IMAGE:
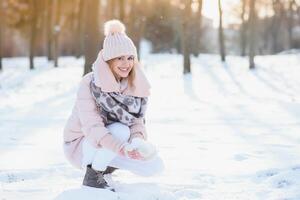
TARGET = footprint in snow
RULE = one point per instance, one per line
(283, 183)
(296, 168)
(267, 173)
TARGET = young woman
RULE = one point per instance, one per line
(106, 130)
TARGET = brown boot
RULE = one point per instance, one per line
(94, 178)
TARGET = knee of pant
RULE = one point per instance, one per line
(155, 169)
(120, 131)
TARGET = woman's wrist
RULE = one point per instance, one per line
(136, 135)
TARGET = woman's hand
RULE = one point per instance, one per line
(138, 149)
(132, 154)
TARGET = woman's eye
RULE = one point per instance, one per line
(130, 58)
(120, 58)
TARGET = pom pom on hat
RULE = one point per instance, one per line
(116, 43)
(113, 26)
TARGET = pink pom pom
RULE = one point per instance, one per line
(113, 26)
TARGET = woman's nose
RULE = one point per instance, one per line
(126, 63)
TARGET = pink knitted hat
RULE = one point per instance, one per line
(116, 43)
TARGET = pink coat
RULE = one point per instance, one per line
(85, 121)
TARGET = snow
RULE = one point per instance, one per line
(223, 131)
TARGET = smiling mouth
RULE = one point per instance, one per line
(124, 69)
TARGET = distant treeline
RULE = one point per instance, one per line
(56, 28)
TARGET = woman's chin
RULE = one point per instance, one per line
(123, 75)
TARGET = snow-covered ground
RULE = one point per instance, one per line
(224, 132)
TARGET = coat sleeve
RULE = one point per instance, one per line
(92, 124)
(138, 129)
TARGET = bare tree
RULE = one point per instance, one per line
(243, 29)
(298, 11)
(290, 24)
(56, 32)
(279, 13)
(81, 27)
(77, 25)
(1, 32)
(122, 10)
(49, 25)
(185, 37)
(33, 33)
(221, 33)
(111, 10)
(252, 21)
(91, 38)
(197, 35)
(74, 24)
(265, 29)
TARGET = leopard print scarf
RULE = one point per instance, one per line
(117, 107)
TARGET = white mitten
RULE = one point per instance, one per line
(146, 149)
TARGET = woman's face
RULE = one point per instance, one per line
(121, 66)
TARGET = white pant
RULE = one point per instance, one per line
(100, 158)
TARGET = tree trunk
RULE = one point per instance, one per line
(221, 33)
(91, 38)
(1, 33)
(122, 10)
(32, 33)
(243, 29)
(74, 24)
(186, 56)
(111, 11)
(298, 12)
(49, 29)
(290, 23)
(43, 25)
(252, 19)
(185, 37)
(198, 37)
(56, 32)
(80, 30)
(279, 13)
